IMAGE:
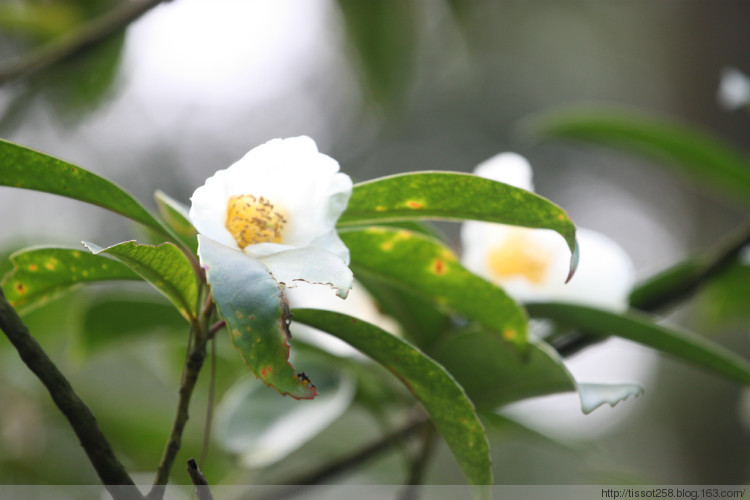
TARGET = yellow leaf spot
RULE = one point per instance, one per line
(387, 246)
(414, 204)
(33, 267)
(77, 254)
(509, 334)
(380, 208)
(51, 264)
(20, 288)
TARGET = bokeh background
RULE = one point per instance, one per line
(383, 87)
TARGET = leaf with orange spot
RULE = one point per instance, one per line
(252, 303)
(425, 267)
(455, 196)
(42, 274)
(444, 399)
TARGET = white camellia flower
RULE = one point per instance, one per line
(531, 265)
(281, 195)
(280, 204)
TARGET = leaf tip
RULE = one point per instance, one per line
(574, 257)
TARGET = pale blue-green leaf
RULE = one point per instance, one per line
(253, 305)
(595, 395)
(312, 265)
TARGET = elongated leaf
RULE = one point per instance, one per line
(176, 216)
(164, 266)
(383, 35)
(494, 375)
(421, 320)
(22, 167)
(446, 402)
(252, 303)
(701, 156)
(684, 278)
(43, 274)
(682, 344)
(455, 196)
(424, 266)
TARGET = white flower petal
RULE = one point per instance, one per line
(311, 265)
(302, 189)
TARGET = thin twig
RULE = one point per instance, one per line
(210, 407)
(97, 448)
(199, 480)
(192, 369)
(70, 44)
(419, 463)
(351, 461)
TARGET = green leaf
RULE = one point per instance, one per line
(422, 323)
(682, 344)
(252, 303)
(494, 375)
(43, 274)
(445, 401)
(705, 158)
(164, 266)
(455, 196)
(22, 167)
(113, 318)
(383, 34)
(684, 278)
(175, 214)
(427, 268)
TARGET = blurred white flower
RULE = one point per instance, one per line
(531, 265)
(280, 196)
(359, 304)
(734, 89)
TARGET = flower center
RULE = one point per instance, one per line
(518, 256)
(252, 219)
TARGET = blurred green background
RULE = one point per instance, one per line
(383, 86)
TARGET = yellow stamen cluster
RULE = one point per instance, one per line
(252, 219)
(518, 256)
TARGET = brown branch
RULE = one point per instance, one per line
(199, 480)
(193, 366)
(70, 44)
(97, 448)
